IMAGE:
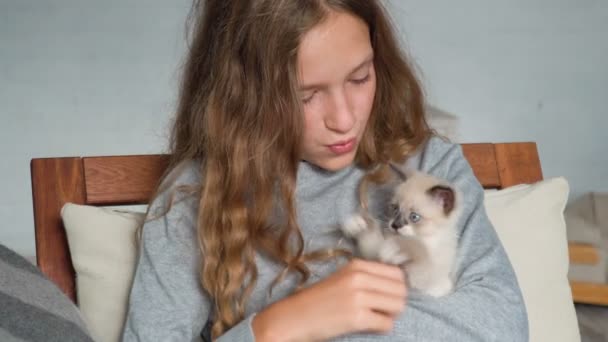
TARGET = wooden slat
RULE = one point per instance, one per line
(589, 293)
(55, 182)
(518, 163)
(483, 161)
(583, 254)
(122, 179)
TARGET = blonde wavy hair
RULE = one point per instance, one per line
(240, 116)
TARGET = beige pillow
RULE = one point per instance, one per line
(530, 223)
(528, 219)
(103, 247)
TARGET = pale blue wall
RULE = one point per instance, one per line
(100, 77)
(81, 78)
(520, 70)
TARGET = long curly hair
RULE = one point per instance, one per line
(240, 115)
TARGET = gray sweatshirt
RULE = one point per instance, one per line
(167, 302)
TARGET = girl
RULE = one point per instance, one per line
(285, 105)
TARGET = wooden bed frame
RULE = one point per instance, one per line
(125, 180)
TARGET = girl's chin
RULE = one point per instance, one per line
(336, 163)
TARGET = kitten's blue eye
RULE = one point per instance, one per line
(415, 217)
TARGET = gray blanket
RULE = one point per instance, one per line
(32, 308)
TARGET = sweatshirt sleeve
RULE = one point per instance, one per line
(167, 302)
(486, 304)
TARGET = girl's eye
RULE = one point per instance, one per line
(361, 80)
(308, 98)
(415, 217)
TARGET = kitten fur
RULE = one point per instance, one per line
(420, 235)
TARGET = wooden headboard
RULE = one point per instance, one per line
(125, 180)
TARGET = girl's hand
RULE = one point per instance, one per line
(362, 296)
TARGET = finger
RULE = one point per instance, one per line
(377, 268)
(374, 322)
(376, 276)
(360, 280)
(383, 303)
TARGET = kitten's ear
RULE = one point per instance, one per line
(398, 172)
(445, 196)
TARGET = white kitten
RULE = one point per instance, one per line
(421, 235)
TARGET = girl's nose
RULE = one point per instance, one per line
(340, 117)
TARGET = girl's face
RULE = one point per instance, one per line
(337, 88)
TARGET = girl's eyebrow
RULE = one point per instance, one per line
(361, 65)
(365, 63)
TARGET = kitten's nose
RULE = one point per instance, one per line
(398, 222)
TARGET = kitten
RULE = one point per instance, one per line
(421, 235)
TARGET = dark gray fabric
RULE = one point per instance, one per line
(16, 260)
(32, 307)
(592, 322)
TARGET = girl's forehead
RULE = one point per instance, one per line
(333, 49)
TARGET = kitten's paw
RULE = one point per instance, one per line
(440, 289)
(354, 226)
(391, 253)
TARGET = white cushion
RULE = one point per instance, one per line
(530, 223)
(104, 251)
